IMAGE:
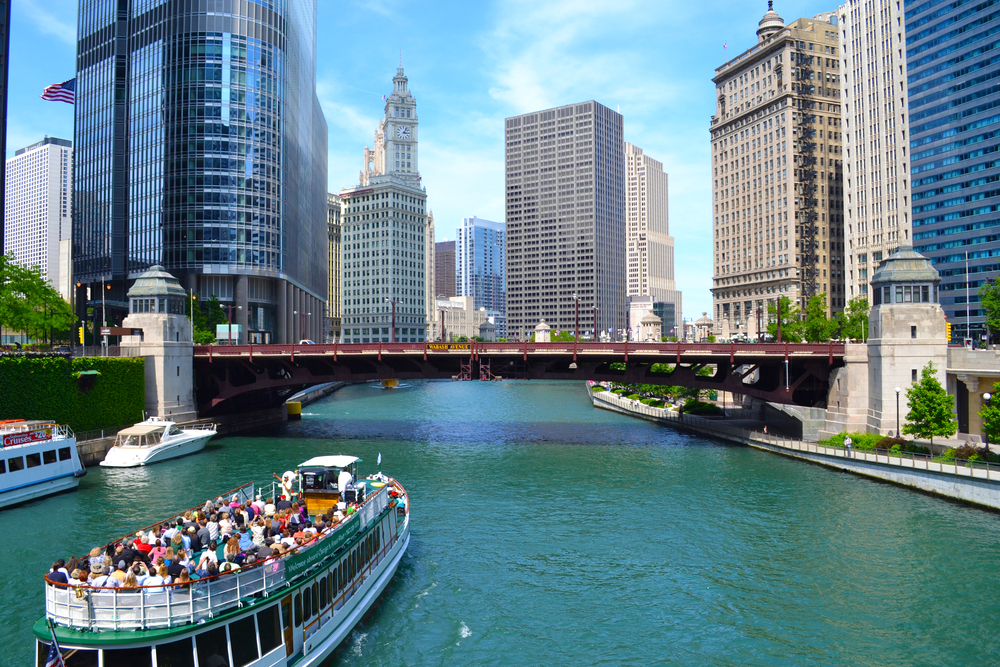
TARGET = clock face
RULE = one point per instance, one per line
(402, 132)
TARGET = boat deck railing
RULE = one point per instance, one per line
(172, 605)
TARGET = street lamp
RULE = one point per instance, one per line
(595, 324)
(229, 318)
(302, 329)
(897, 411)
(987, 396)
(393, 302)
(441, 297)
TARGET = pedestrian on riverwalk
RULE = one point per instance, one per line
(847, 443)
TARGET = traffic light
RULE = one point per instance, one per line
(947, 331)
(80, 331)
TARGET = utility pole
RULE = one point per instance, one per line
(393, 302)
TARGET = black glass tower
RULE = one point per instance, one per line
(201, 146)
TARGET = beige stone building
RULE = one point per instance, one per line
(333, 292)
(777, 173)
(649, 248)
(459, 316)
(430, 266)
(876, 177)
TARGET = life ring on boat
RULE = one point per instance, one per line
(287, 479)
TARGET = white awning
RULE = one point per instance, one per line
(329, 461)
(142, 429)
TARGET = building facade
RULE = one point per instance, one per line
(444, 269)
(565, 210)
(430, 296)
(385, 233)
(777, 171)
(480, 270)
(876, 178)
(459, 317)
(952, 97)
(333, 292)
(192, 122)
(38, 208)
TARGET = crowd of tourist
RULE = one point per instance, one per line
(219, 538)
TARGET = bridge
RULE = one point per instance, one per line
(238, 378)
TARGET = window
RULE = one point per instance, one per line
(49, 457)
(3, 466)
(15, 464)
(925, 295)
(269, 628)
(913, 375)
(212, 648)
(79, 658)
(298, 610)
(133, 657)
(65, 454)
(913, 332)
(34, 460)
(306, 603)
(243, 640)
(175, 654)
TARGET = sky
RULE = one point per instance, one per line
(470, 66)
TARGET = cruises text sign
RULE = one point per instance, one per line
(296, 565)
(26, 438)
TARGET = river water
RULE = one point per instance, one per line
(549, 532)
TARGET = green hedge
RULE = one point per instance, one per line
(48, 388)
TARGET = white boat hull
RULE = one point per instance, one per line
(48, 487)
(131, 457)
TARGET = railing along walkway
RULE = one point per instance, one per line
(958, 467)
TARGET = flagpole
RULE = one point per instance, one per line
(55, 642)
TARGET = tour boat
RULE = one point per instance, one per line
(39, 458)
(156, 440)
(289, 610)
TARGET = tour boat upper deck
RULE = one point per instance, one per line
(37, 458)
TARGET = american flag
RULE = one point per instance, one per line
(55, 657)
(61, 92)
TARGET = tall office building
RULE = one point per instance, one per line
(429, 270)
(565, 218)
(444, 269)
(333, 291)
(876, 178)
(37, 210)
(649, 246)
(4, 70)
(777, 173)
(201, 146)
(479, 268)
(385, 232)
(952, 70)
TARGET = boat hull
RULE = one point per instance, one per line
(65, 482)
(120, 457)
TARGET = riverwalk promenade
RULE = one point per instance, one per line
(975, 482)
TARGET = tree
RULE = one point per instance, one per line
(930, 408)
(991, 416)
(29, 303)
(989, 298)
(818, 328)
(791, 325)
(207, 315)
(855, 319)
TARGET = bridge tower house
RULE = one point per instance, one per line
(157, 306)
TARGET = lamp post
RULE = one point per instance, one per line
(595, 324)
(302, 329)
(393, 302)
(987, 396)
(229, 319)
(897, 411)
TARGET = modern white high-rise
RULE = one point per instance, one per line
(384, 233)
(480, 268)
(38, 210)
(876, 177)
(649, 248)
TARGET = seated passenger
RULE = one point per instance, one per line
(57, 575)
(120, 572)
(101, 579)
(246, 541)
(269, 507)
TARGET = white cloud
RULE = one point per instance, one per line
(47, 20)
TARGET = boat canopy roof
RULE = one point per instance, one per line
(142, 429)
(330, 461)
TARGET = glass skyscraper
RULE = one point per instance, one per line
(954, 106)
(480, 268)
(193, 121)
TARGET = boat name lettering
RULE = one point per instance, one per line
(296, 565)
(26, 438)
(448, 346)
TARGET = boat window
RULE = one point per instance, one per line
(49, 457)
(324, 598)
(286, 613)
(64, 454)
(297, 603)
(34, 460)
(306, 603)
(212, 648)
(3, 466)
(15, 464)
(243, 641)
(316, 607)
(333, 583)
(176, 430)
(78, 658)
(133, 657)
(269, 628)
(175, 654)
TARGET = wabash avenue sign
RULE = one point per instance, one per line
(27, 437)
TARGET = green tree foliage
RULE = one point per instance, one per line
(930, 408)
(28, 303)
(207, 314)
(855, 319)
(991, 415)
(989, 297)
(818, 328)
(791, 325)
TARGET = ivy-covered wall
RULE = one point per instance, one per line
(50, 388)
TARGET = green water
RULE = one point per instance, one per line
(545, 532)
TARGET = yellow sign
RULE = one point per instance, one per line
(449, 346)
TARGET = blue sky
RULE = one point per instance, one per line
(470, 65)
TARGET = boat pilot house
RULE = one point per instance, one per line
(330, 482)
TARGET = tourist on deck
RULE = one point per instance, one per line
(234, 504)
(294, 518)
(120, 572)
(264, 551)
(259, 505)
(269, 507)
(131, 581)
(176, 567)
(225, 526)
(210, 570)
(232, 548)
(284, 504)
(96, 556)
(143, 544)
(251, 511)
(76, 578)
(156, 579)
(246, 541)
(210, 556)
(101, 579)
(257, 532)
(213, 527)
(57, 574)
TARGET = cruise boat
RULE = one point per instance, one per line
(39, 458)
(156, 440)
(289, 610)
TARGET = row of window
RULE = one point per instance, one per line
(18, 463)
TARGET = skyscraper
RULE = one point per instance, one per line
(951, 79)
(385, 232)
(429, 271)
(565, 231)
(876, 178)
(479, 268)
(38, 232)
(201, 146)
(777, 173)
(444, 269)
(4, 69)
(333, 292)
(649, 246)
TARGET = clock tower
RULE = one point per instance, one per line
(395, 149)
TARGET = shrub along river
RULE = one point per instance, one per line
(548, 532)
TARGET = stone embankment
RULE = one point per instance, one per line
(978, 485)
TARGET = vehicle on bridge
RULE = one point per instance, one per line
(156, 440)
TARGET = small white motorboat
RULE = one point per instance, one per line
(156, 440)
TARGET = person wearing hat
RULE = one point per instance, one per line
(120, 572)
(99, 577)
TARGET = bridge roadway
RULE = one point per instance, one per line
(240, 378)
